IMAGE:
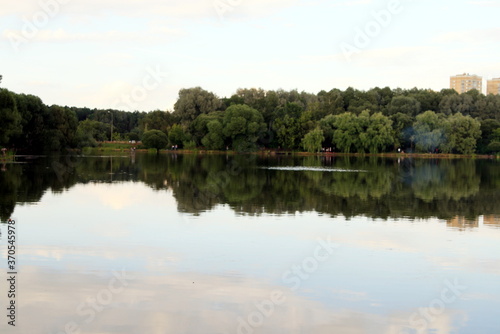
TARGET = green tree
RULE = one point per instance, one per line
(312, 140)
(288, 126)
(287, 131)
(10, 118)
(463, 103)
(379, 133)
(405, 105)
(193, 102)
(327, 125)
(198, 127)
(463, 133)
(117, 136)
(244, 125)
(34, 115)
(346, 133)
(253, 97)
(329, 103)
(214, 139)
(155, 139)
(362, 145)
(429, 132)
(90, 132)
(428, 99)
(487, 107)
(176, 135)
(493, 147)
(157, 120)
(488, 127)
(61, 128)
(402, 126)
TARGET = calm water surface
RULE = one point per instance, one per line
(244, 244)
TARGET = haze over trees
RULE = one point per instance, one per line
(351, 121)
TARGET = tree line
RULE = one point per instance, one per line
(351, 121)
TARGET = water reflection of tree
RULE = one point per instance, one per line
(374, 187)
(386, 189)
(445, 179)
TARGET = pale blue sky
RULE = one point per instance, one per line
(93, 52)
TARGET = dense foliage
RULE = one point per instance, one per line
(373, 121)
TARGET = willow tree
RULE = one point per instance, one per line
(429, 132)
(346, 133)
(379, 134)
(312, 140)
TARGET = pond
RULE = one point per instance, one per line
(250, 244)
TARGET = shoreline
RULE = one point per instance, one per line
(321, 154)
(124, 148)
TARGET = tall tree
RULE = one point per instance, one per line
(214, 139)
(195, 101)
(253, 97)
(429, 131)
(177, 135)
(312, 140)
(405, 105)
(10, 118)
(61, 128)
(379, 133)
(244, 125)
(488, 128)
(157, 120)
(463, 103)
(198, 128)
(428, 99)
(346, 133)
(90, 132)
(402, 126)
(463, 133)
(34, 117)
(288, 126)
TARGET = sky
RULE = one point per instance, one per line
(137, 54)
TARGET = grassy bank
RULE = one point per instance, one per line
(126, 147)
